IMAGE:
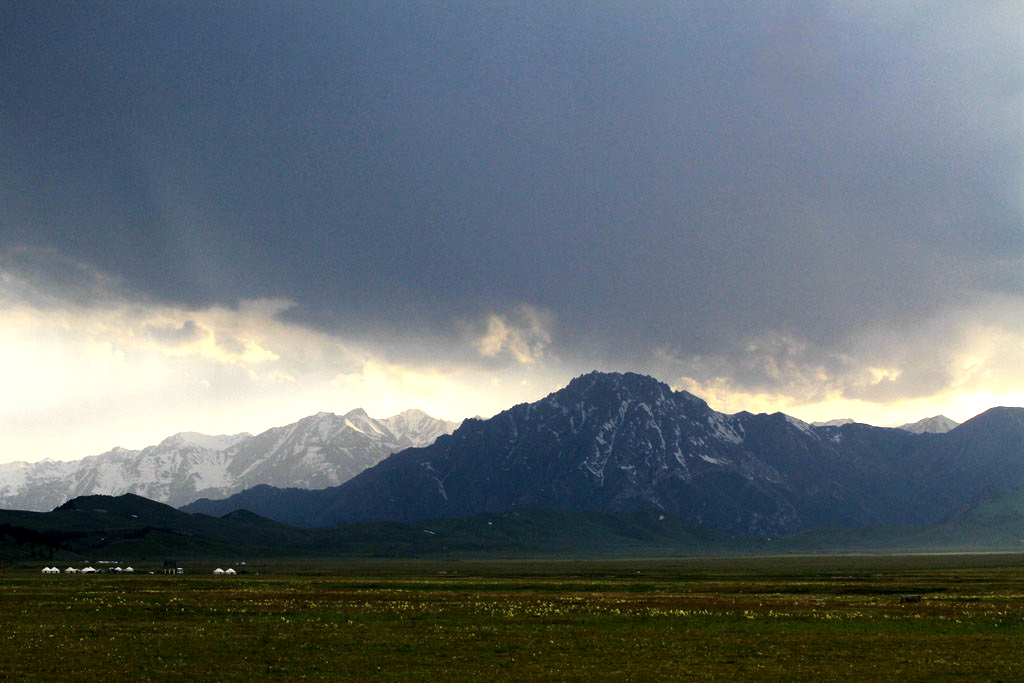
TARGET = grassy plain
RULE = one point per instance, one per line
(769, 618)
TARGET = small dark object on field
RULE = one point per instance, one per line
(913, 597)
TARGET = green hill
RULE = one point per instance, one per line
(132, 528)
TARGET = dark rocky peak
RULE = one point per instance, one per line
(595, 402)
(629, 387)
(615, 383)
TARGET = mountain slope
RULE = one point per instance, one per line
(617, 442)
(315, 452)
(985, 451)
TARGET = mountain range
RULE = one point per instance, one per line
(318, 451)
(613, 443)
(939, 424)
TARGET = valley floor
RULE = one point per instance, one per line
(769, 618)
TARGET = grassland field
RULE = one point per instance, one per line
(808, 618)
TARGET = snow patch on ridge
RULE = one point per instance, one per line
(721, 428)
(800, 424)
(213, 443)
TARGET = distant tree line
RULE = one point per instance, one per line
(42, 543)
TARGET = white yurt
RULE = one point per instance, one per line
(70, 570)
(218, 570)
(229, 570)
(88, 570)
(129, 570)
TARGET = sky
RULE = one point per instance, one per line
(225, 216)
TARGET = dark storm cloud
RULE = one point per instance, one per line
(45, 278)
(652, 176)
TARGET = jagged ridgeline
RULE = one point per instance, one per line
(611, 442)
(318, 451)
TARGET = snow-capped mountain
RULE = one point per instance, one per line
(613, 442)
(318, 451)
(940, 424)
(838, 422)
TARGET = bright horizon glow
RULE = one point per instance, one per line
(138, 432)
(83, 379)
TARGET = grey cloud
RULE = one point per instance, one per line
(522, 335)
(876, 366)
(176, 335)
(45, 278)
(231, 344)
(693, 177)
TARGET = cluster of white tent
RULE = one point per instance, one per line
(116, 570)
(87, 570)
